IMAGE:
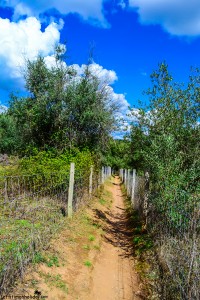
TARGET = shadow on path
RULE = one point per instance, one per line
(116, 226)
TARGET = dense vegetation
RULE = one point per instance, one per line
(165, 139)
(64, 110)
(68, 116)
(165, 142)
(65, 117)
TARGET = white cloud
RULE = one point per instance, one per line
(122, 4)
(178, 17)
(3, 108)
(21, 40)
(107, 78)
(25, 39)
(89, 9)
(103, 75)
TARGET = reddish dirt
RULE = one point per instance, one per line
(113, 277)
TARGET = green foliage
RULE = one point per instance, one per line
(86, 247)
(165, 141)
(117, 154)
(142, 243)
(55, 280)
(49, 162)
(53, 261)
(102, 201)
(87, 263)
(50, 261)
(138, 147)
(39, 258)
(63, 110)
(8, 134)
(91, 238)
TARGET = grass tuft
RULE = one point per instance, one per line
(87, 263)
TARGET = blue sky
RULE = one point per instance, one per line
(129, 38)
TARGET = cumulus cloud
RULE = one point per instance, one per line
(25, 40)
(178, 17)
(21, 40)
(106, 79)
(104, 75)
(3, 108)
(89, 9)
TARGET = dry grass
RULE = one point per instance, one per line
(32, 211)
(63, 270)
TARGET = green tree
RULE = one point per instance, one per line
(170, 120)
(64, 110)
(165, 141)
(166, 137)
(117, 154)
(8, 134)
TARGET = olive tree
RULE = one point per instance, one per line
(64, 109)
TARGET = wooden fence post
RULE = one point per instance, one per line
(102, 175)
(99, 179)
(146, 198)
(90, 183)
(6, 191)
(133, 187)
(128, 182)
(71, 189)
(110, 171)
(125, 182)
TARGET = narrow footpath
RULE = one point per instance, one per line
(113, 276)
(92, 258)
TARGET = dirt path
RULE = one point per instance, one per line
(98, 234)
(113, 276)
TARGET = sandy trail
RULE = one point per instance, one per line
(113, 276)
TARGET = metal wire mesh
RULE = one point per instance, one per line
(175, 229)
(32, 209)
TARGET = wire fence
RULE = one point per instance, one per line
(32, 209)
(175, 229)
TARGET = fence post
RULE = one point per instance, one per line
(6, 191)
(71, 189)
(125, 177)
(133, 187)
(146, 198)
(128, 182)
(122, 175)
(99, 179)
(102, 175)
(90, 183)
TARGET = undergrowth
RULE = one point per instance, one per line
(81, 234)
(143, 251)
(33, 207)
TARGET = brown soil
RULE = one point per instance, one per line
(111, 275)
